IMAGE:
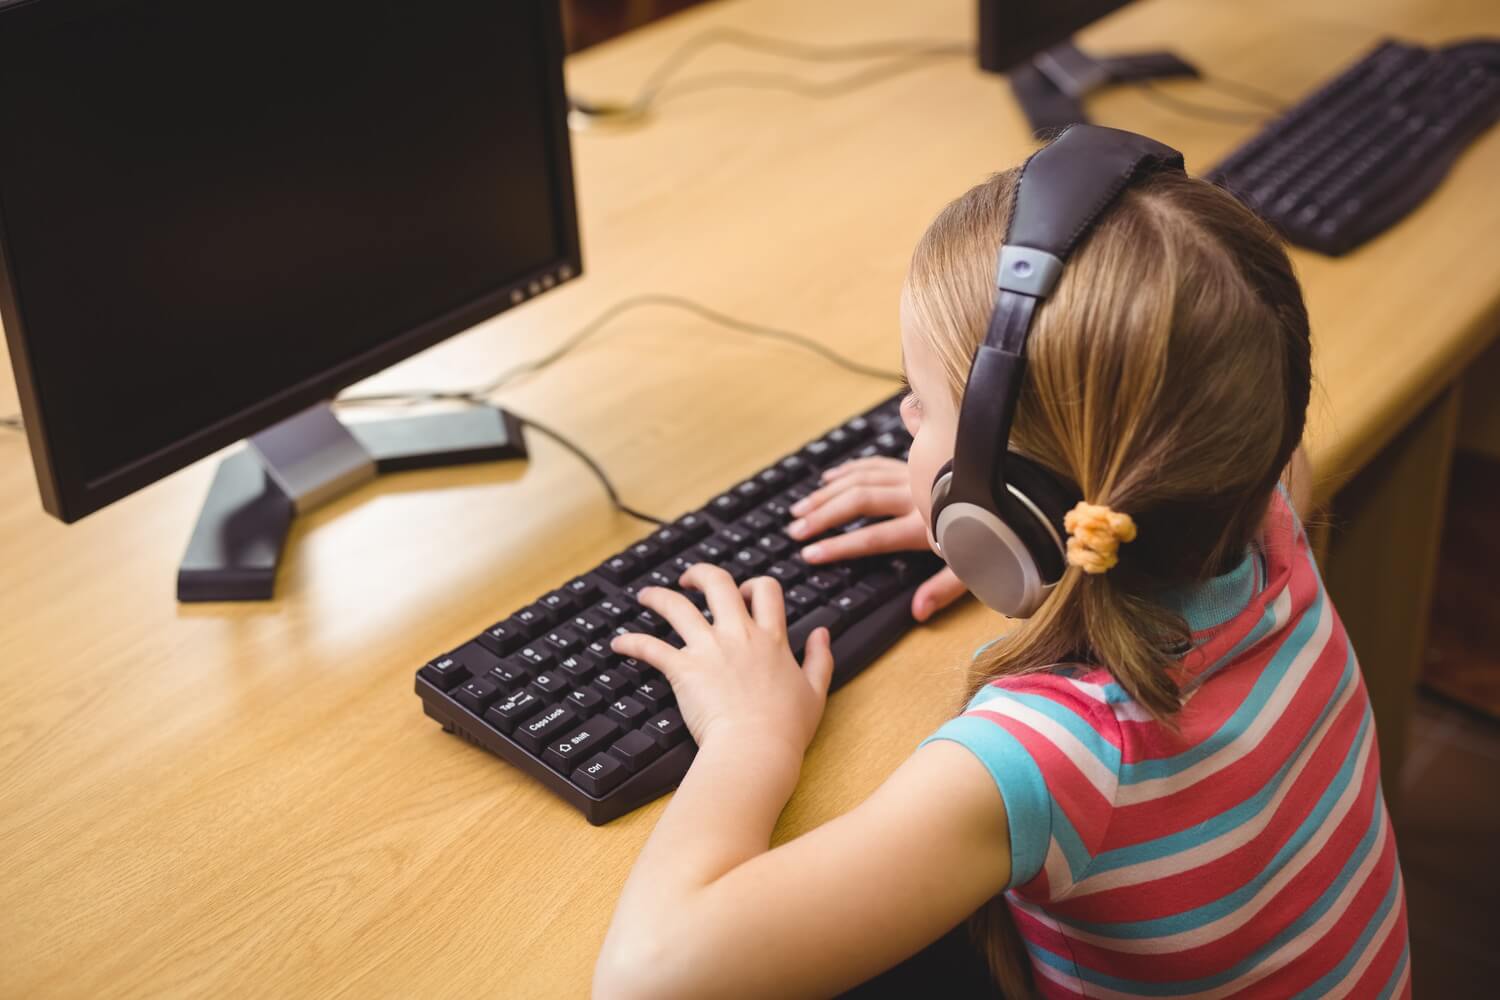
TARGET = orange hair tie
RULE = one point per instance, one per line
(1094, 536)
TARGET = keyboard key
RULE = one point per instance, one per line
(668, 540)
(826, 581)
(540, 657)
(476, 695)
(511, 673)
(882, 584)
(772, 478)
(633, 670)
(774, 545)
(748, 563)
(627, 709)
(757, 522)
(667, 729)
(564, 640)
(651, 623)
(618, 569)
(600, 774)
(693, 527)
(545, 726)
(474, 658)
(749, 491)
(859, 426)
(795, 466)
(445, 673)
(589, 624)
(559, 602)
(777, 510)
(550, 683)
(506, 714)
(591, 737)
(818, 453)
(611, 682)
(585, 699)
(579, 667)
(645, 553)
(614, 610)
(504, 637)
(852, 602)
(786, 572)
(725, 506)
(710, 550)
(582, 590)
(635, 750)
(825, 617)
(654, 694)
(535, 617)
(804, 597)
(735, 537)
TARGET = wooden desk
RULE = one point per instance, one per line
(248, 799)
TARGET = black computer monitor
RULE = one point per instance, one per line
(213, 216)
(1031, 42)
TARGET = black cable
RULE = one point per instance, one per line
(1227, 116)
(658, 82)
(1246, 92)
(599, 473)
(482, 392)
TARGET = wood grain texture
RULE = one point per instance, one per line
(248, 800)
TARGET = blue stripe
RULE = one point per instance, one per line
(1028, 804)
(1390, 986)
(1341, 971)
(1209, 912)
(1105, 752)
(1073, 849)
(1306, 919)
(1297, 639)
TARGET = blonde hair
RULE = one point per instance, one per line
(1168, 378)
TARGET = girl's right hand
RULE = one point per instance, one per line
(871, 487)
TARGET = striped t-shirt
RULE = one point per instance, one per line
(1249, 854)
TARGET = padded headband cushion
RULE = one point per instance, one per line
(1068, 184)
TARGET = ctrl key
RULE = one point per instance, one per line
(599, 775)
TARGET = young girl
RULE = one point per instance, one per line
(1166, 779)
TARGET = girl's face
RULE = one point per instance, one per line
(929, 412)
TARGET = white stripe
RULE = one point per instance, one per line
(1240, 916)
(1376, 941)
(1098, 774)
(1125, 711)
(1208, 851)
(1059, 876)
(1311, 936)
(1286, 689)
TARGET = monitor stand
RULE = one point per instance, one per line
(1052, 85)
(307, 460)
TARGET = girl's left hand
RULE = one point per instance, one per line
(736, 678)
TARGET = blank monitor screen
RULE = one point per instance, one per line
(215, 214)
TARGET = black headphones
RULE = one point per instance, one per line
(997, 517)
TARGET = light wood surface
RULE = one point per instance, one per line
(248, 800)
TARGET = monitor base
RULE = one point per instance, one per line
(236, 546)
(1052, 85)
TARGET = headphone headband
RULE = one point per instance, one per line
(998, 527)
(1064, 189)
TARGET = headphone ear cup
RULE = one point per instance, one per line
(1034, 506)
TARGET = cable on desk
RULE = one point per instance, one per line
(594, 467)
(481, 392)
(1246, 92)
(1228, 116)
(907, 53)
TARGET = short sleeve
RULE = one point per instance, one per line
(1051, 744)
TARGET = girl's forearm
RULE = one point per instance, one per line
(721, 816)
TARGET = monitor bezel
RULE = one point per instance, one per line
(69, 496)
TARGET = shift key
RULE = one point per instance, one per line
(564, 755)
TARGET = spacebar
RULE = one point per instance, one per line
(796, 635)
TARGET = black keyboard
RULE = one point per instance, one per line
(1356, 156)
(543, 690)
